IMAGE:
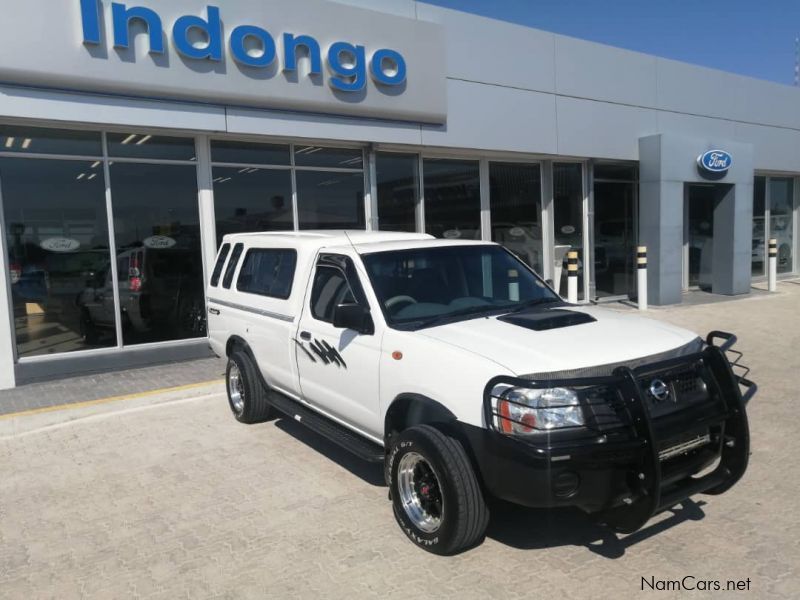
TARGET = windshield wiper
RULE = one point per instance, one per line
(532, 303)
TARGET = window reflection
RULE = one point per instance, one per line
(157, 235)
(452, 199)
(568, 218)
(57, 237)
(781, 197)
(145, 145)
(334, 158)
(40, 140)
(516, 204)
(759, 225)
(251, 199)
(328, 200)
(397, 177)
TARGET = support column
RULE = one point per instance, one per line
(208, 224)
(7, 334)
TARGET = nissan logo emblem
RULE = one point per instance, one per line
(659, 390)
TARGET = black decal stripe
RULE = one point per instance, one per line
(304, 349)
(333, 354)
(319, 351)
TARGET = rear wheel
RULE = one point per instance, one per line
(435, 495)
(246, 394)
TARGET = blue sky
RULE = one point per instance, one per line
(750, 37)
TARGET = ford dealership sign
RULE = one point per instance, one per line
(310, 56)
(715, 161)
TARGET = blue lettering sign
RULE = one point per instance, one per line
(197, 38)
(715, 161)
(242, 54)
(347, 62)
(211, 30)
(388, 67)
(290, 46)
(122, 19)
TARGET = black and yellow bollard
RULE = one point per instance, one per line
(572, 277)
(772, 283)
(641, 276)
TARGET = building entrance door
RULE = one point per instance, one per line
(698, 247)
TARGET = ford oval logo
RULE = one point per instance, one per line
(715, 161)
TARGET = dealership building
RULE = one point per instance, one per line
(135, 135)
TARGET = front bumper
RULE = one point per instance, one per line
(644, 462)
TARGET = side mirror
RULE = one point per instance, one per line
(355, 317)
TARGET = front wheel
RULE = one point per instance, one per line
(246, 394)
(436, 497)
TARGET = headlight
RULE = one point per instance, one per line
(524, 411)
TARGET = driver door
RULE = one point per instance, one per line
(339, 368)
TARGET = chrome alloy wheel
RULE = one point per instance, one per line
(420, 492)
(236, 388)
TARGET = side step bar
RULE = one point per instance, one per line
(349, 440)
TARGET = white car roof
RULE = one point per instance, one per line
(365, 241)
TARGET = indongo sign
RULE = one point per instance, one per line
(302, 56)
(198, 38)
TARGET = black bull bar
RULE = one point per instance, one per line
(652, 489)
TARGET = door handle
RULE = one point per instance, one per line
(304, 335)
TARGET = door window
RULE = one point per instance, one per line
(330, 289)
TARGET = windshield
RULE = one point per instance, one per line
(430, 286)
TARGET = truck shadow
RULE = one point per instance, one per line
(537, 529)
(511, 524)
(368, 472)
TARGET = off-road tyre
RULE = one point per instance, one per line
(463, 515)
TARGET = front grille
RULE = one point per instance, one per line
(685, 387)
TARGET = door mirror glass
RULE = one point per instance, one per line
(353, 316)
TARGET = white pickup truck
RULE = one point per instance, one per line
(453, 364)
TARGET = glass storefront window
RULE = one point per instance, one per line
(397, 177)
(568, 219)
(331, 158)
(516, 208)
(759, 225)
(39, 140)
(157, 233)
(615, 237)
(249, 153)
(781, 200)
(330, 200)
(452, 198)
(143, 145)
(251, 199)
(58, 247)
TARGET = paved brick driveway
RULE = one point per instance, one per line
(177, 500)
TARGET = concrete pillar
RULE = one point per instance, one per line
(733, 240)
(7, 334)
(667, 163)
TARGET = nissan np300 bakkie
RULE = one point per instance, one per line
(458, 368)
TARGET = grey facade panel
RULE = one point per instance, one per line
(776, 149)
(491, 51)
(683, 124)
(588, 70)
(600, 129)
(479, 117)
(245, 121)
